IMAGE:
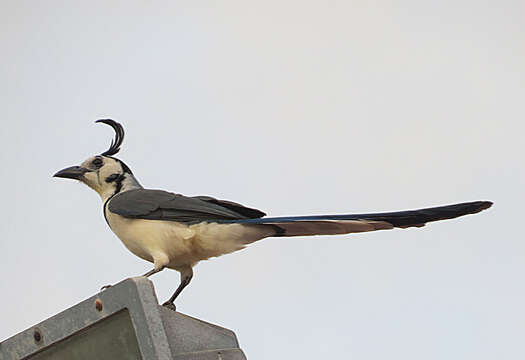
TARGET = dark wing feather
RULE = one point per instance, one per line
(238, 208)
(163, 205)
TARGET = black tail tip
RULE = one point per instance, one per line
(483, 205)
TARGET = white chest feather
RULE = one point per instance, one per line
(174, 244)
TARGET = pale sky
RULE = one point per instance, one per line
(295, 108)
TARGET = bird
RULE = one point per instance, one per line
(175, 231)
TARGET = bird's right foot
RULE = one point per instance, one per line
(105, 287)
(170, 305)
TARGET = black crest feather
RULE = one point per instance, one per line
(119, 136)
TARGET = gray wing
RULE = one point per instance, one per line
(163, 205)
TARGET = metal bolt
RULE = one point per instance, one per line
(98, 304)
(37, 335)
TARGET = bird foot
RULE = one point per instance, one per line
(170, 305)
(105, 287)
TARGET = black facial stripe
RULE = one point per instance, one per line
(118, 178)
(119, 181)
(113, 177)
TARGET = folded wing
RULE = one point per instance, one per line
(163, 205)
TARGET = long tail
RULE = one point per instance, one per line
(344, 224)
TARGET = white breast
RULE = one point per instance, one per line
(173, 244)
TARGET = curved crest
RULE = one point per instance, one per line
(119, 136)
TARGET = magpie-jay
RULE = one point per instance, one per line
(176, 231)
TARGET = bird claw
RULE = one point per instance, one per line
(170, 305)
(105, 287)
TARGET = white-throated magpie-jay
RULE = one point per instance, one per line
(176, 231)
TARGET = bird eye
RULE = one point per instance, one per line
(97, 162)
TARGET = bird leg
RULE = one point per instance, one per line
(148, 274)
(185, 277)
(153, 271)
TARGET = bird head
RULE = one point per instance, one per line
(103, 173)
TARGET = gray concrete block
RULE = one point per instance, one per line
(122, 322)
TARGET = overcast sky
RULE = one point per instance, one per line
(295, 108)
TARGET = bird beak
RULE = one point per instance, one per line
(73, 172)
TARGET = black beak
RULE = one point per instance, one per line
(73, 172)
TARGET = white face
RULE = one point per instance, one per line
(103, 174)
